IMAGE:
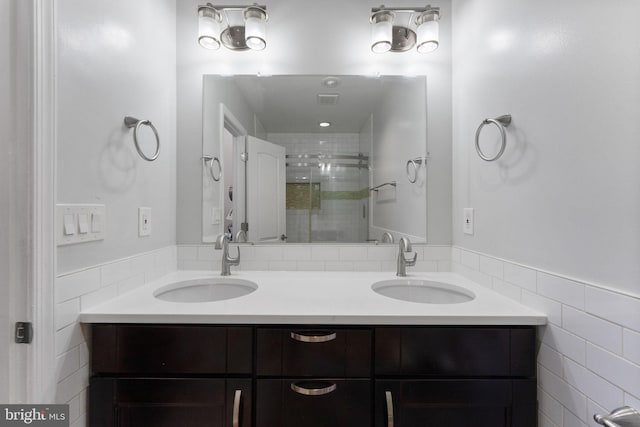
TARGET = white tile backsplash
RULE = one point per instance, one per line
(631, 346)
(593, 329)
(589, 352)
(560, 289)
(597, 388)
(615, 369)
(520, 276)
(83, 289)
(613, 306)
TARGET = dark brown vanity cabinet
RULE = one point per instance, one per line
(313, 377)
(171, 375)
(302, 376)
(455, 376)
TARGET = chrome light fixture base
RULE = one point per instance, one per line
(244, 27)
(398, 29)
(403, 39)
(233, 38)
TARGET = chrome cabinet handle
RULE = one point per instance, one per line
(313, 338)
(389, 398)
(236, 409)
(313, 391)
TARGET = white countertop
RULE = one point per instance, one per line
(314, 297)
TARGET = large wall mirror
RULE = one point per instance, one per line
(314, 159)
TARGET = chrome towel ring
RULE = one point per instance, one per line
(416, 163)
(501, 122)
(132, 122)
(211, 160)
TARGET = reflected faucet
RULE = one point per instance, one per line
(620, 417)
(222, 242)
(241, 236)
(387, 237)
(403, 262)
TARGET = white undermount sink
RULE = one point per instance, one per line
(423, 291)
(205, 290)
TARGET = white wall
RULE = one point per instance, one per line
(116, 58)
(16, 109)
(310, 39)
(564, 197)
(400, 210)
(215, 91)
(557, 218)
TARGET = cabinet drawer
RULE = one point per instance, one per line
(326, 402)
(455, 352)
(314, 352)
(456, 403)
(188, 402)
(169, 349)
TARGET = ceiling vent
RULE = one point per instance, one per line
(328, 98)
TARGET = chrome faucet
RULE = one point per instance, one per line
(403, 262)
(223, 243)
(621, 417)
(387, 237)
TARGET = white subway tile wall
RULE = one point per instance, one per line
(317, 257)
(83, 289)
(589, 352)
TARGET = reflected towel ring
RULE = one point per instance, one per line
(132, 122)
(501, 122)
(417, 162)
(212, 160)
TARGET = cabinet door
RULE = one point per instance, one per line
(149, 402)
(456, 403)
(311, 403)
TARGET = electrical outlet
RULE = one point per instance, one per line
(144, 222)
(467, 226)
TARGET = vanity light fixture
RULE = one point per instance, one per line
(245, 27)
(398, 29)
(324, 124)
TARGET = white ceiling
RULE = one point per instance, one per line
(288, 104)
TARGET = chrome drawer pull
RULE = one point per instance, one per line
(389, 408)
(313, 391)
(236, 408)
(313, 338)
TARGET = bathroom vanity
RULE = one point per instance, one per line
(403, 370)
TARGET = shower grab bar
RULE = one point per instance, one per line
(377, 187)
(213, 159)
(132, 122)
(501, 122)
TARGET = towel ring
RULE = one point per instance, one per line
(501, 122)
(416, 163)
(212, 160)
(132, 122)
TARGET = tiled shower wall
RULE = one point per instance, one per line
(81, 290)
(589, 352)
(339, 219)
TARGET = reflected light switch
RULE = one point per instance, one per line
(69, 224)
(83, 223)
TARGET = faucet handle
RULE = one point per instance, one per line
(220, 241)
(624, 416)
(410, 262)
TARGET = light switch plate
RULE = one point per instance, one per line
(74, 223)
(467, 226)
(144, 222)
